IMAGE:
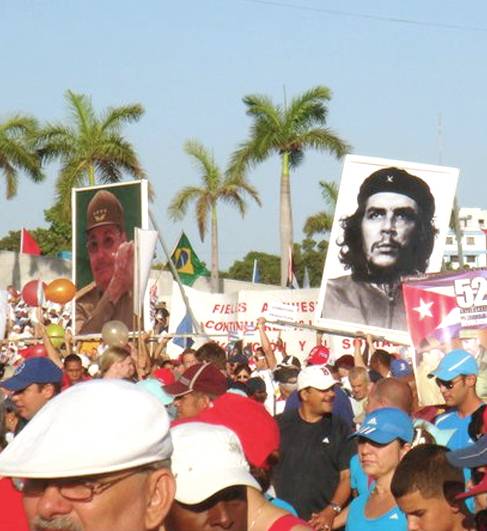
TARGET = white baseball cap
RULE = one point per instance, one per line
(91, 428)
(206, 459)
(315, 376)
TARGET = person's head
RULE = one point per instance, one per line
(380, 362)
(211, 352)
(33, 384)
(360, 382)
(315, 390)
(456, 376)
(287, 378)
(128, 487)
(234, 361)
(105, 232)
(210, 486)
(242, 373)
(260, 359)
(256, 389)
(425, 485)
(392, 231)
(196, 389)
(188, 358)
(73, 368)
(390, 392)
(116, 362)
(383, 439)
(343, 365)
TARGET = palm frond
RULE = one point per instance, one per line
(201, 214)
(82, 111)
(329, 192)
(179, 205)
(309, 107)
(261, 107)
(319, 223)
(204, 162)
(117, 116)
(324, 139)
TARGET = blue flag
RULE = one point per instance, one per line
(184, 327)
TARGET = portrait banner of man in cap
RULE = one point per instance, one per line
(391, 221)
(104, 219)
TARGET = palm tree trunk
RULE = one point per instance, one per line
(91, 175)
(286, 218)
(214, 251)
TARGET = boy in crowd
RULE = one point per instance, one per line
(425, 485)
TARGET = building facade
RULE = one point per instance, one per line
(473, 223)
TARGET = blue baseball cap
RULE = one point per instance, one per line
(386, 424)
(400, 368)
(456, 363)
(33, 370)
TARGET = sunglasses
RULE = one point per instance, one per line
(447, 384)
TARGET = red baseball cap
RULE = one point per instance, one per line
(165, 376)
(257, 430)
(202, 377)
(319, 355)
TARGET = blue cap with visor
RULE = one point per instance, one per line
(384, 425)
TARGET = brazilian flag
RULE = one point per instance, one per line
(187, 263)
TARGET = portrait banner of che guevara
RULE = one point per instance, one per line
(391, 221)
(103, 220)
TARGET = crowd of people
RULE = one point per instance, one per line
(248, 437)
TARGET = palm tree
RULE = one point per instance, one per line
(287, 131)
(215, 186)
(91, 148)
(17, 151)
(321, 222)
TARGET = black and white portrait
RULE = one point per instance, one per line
(391, 221)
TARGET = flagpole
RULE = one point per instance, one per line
(196, 325)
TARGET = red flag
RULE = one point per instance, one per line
(429, 313)
(28, 245)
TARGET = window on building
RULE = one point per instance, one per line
(481, 222)
(454, 258)
(470, 259)
(470, 240)
(449, 240)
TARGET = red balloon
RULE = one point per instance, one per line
(60, 290)
(34, 351)
(31, 291)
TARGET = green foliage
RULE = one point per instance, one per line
(90, 148)
(214, 187)
(11, 242)
(18, 154)
(269, 268)
(56, 238)
(321, 222)
(312, 255)
(287, 131)
(307, 254)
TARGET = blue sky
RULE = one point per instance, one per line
(190, 62)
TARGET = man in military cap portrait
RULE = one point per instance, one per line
(390, 235)
(111, 258)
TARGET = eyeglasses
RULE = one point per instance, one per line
(447, 384)
(73, 489)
